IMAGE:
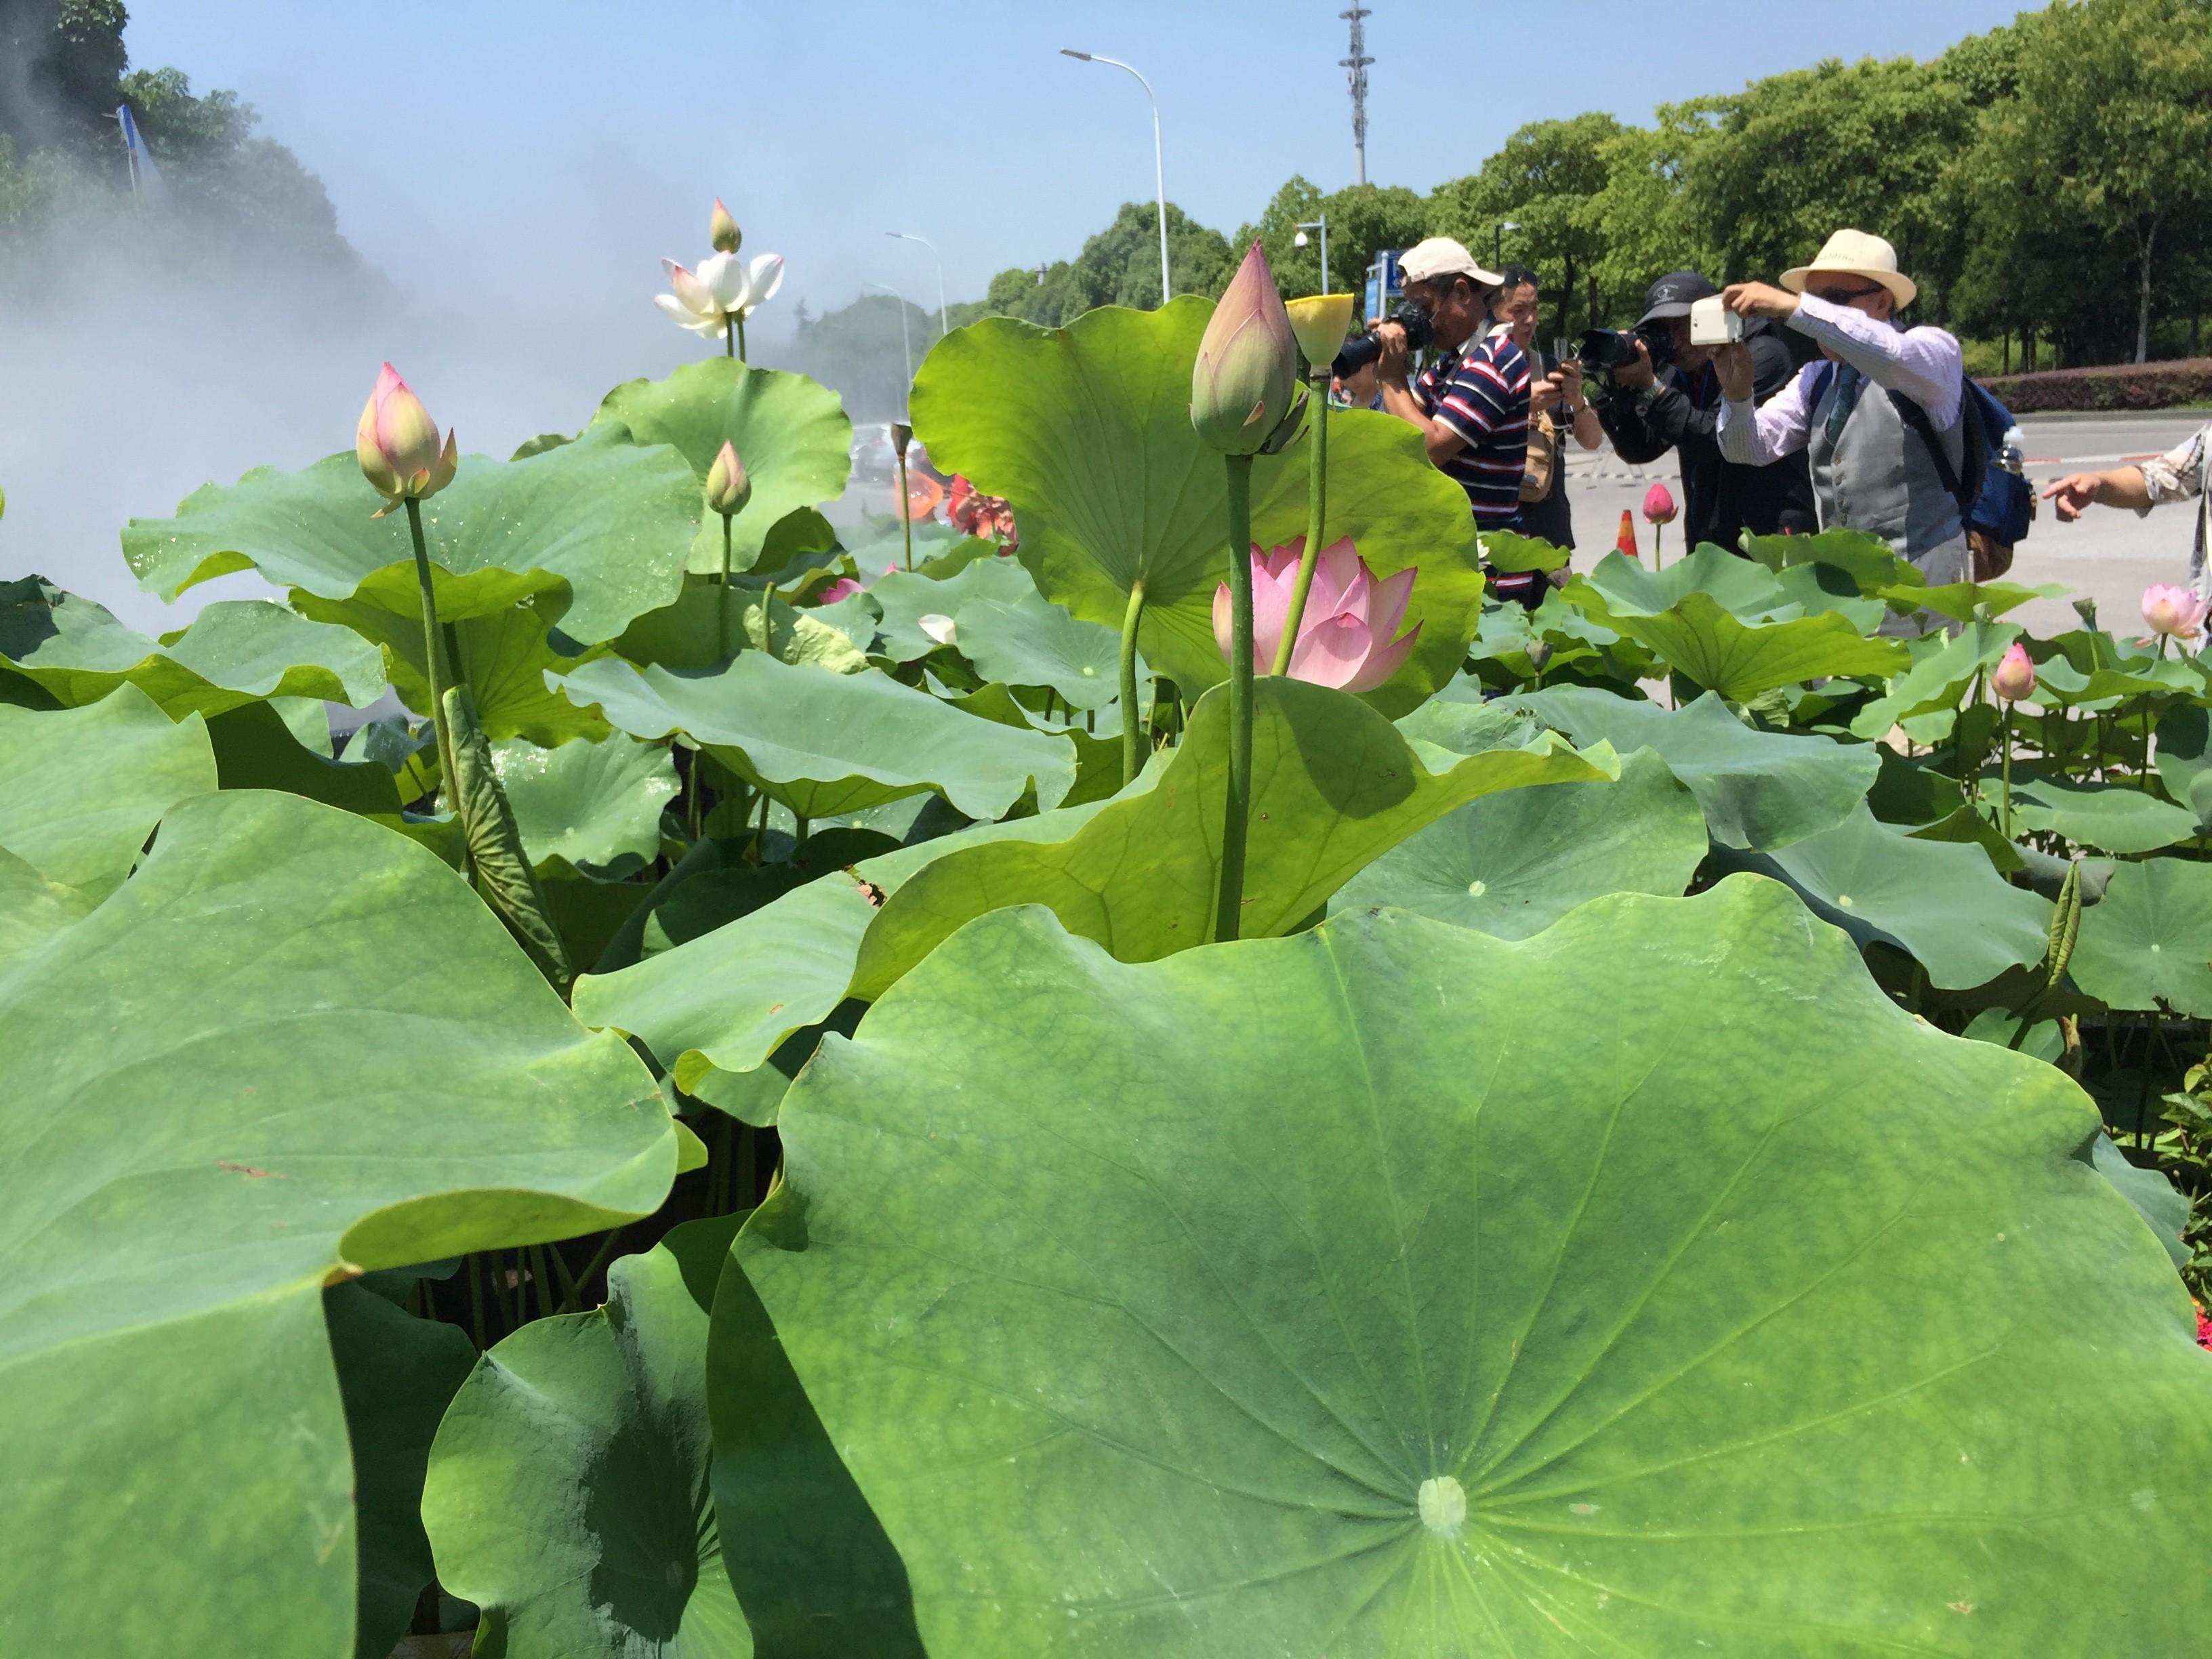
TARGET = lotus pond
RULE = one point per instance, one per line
(878, 1090)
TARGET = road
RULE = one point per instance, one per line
(2109, 556)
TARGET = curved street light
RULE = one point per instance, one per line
(1160, 169)
(943, 326)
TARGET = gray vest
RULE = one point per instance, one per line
(1876, 475)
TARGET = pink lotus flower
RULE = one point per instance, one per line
(397, 444)
(843, 589)
(2174, 611)
(1659, 505)
(1344, 638)
(2014, 676)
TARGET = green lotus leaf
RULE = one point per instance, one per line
(2084, 667)
(691, 633)
(599, 527)
(1511, 864)
(2113, 816)
(1086, 430)
(2183, 754)
(1097, 742)
(592, 804)
(1510, 554)
(1710, 649)
(727, 1000)
(1619, 588)
(1334, 786)
(790, 432)
(236, 651)
(1010, 631)
(82, 788)
(1940, 902)
(905, 598)
(877, 545)
(2040, 1038)
(1870, 562)
(33, 908)
(505, 655)
(1944, 665)
(293, 1047)
(591, 1428)
(827, 744)
(396, 1374)
(1295, 1297)
(1969, 601)
(1760, 789)
(255, 749)
(2147, 942)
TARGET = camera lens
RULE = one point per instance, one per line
(1363, 348)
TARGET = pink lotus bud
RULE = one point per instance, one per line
(1246, 377)
(722, 230)
(843, 589)
(728, 489)
(1344, 637)
(1659, 505)
(2014, 676)
(2174, 611)
(397, 443)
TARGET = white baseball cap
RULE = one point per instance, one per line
(1440, 256)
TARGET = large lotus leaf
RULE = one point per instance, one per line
(568, 1494)
(1968, 601)
(726, 1000)
(1300, 1298)
(254, 748)
(2112, 817)
(904, 600)
(1869, 562)
(877, 544)
(692, 632)
(2084, 667)
(1010, 631)
(826, 743)
(294, 1045)
(1760, 789)
(2147, 942)
(82, 788)
(1086, 430)
(1712, 649)
(505, 657)
(1334, 786)
(790, 432)
(599, 525)
(1943, 666)
(31, 907)
(396, 1374)
(1511, 864)
(592, 804)
(1941, 902)
(1619, 588)
(2184, 756)
(236, 651)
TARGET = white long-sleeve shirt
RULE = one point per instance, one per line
(1924, 363)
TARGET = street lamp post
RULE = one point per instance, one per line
(1159, 166)
(906, 335)
(1299, 240)
(1497, 241)
(942, 325)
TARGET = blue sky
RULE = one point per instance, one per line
(541, 156)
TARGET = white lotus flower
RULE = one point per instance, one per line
(724, 286)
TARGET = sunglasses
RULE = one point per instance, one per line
(1844, 296)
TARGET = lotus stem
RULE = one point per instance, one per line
(730, 337)
(1658, 545)
(543, 1281)
(474, 1268)
(1238, 808)
(1316, 507)
(724, 630)
(573, 1302)
(1130, 761)
(905, 508)
(433, 645)
(740, 322)
(566, 1279)
(2004, 803)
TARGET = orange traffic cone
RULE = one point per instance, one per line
(1626, 542)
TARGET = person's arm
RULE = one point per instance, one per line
(2123, 486)
(1760, 435)
(1568, 377)
(1438, 438)
(1628, 423)
(1924, 364)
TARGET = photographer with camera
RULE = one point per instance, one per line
(1556, 406)
(1664, 394)
(1471, 403)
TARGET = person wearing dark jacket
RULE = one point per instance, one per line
(1652, 411)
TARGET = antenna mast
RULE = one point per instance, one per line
(1356, 64)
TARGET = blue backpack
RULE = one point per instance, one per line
(1993, 497)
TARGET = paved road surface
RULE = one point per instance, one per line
(2110, 556)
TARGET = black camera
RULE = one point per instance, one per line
(1363, 348)
(1607, 348)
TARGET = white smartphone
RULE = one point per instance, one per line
(1713, 324)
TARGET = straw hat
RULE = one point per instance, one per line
(1857, 254)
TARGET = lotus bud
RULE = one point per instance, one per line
(2016, 675)
(397, 443)
(1321, 322)
(728, 489)
(901, 435)
(2174, 612)
(1539, 652)
(722, 230)
(1659, 505)
(2085, 609)
(1245, 378)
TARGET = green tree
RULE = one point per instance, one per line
(1543, 181)
(1362, 219)
(1647, 225)
(60, 61)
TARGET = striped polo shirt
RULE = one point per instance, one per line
(1482, 395)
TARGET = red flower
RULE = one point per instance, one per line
(969, 510)
(2203, 1329)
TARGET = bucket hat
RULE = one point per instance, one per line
(1857, 254)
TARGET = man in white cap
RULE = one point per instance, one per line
(1881, 419)
(1471, 403)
